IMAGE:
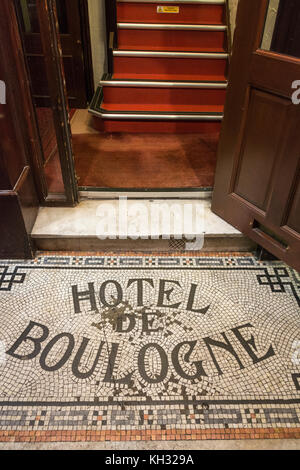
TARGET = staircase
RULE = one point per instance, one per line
(167, 67)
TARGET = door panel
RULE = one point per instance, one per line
(259, 150)
(257, 178)
(293, 219)
(38, 82)
(71, 42)
(273, 72)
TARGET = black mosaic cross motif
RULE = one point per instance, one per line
(278, 281)
(8, 279)
(296, 380)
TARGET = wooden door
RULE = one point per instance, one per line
(257, 185)
(75, 62)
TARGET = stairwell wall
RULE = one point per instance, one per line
(98, 37)
(233, 5)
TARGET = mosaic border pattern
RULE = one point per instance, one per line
(280, 280)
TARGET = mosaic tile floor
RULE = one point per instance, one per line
(119, 348)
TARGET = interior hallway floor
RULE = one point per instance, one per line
(129, 160)
(121, 160)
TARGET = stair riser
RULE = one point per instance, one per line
(117, 98)
(188, 14)
(171, 40)
(165, 127)
(162, 68)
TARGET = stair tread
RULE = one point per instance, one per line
(177, 48)
(208, 27)
(108, 80)
(165, 108)
(189, 13)
(168, 77)
(182, 22)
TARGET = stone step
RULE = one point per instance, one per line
(79, 228)
(170, 37)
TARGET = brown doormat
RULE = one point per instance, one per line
(145, 160)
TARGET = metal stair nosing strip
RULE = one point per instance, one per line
(156, 116)
(162, 84)
(173, 26)
(191, 55)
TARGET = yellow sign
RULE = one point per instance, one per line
(167, 9)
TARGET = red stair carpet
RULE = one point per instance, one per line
(168, 64)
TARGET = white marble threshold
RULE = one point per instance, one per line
(86, 219)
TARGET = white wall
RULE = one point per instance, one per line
(270, 20)
(233, 4)
(270, 24)
(98, 37)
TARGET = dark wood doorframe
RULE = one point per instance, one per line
(58, 95)
(87, 48)
(259, 94)
(19, 146)
(111, 32)
(20, 103)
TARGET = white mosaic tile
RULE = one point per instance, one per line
(149, 342)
